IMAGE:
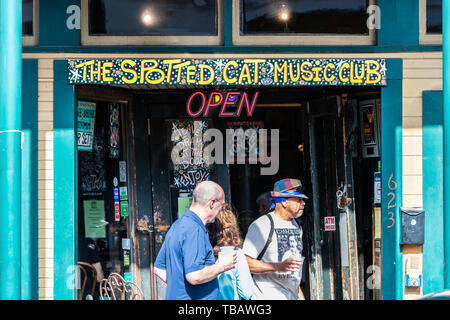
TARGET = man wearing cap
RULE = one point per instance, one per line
(277, 278)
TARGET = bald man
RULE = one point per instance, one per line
(186, 259)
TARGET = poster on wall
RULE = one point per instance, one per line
(124, 208)
(114, 137)
(183, 204)
(86, 122)
(94, 218)
(123, 171)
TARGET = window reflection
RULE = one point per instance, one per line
(304, 16)
(434, 16)
(27, 17)
(139, 17)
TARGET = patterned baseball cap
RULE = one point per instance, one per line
(288, 188)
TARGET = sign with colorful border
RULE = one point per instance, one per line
(224, 72)
(86, 122)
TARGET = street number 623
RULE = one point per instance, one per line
(392, 185)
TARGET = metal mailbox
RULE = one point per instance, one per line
(413, 225)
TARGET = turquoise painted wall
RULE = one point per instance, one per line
(53, 31)
(65, 184)
(29, 265)
(433, 192)
(399, 23)
(391, 178)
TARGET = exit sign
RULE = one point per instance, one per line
(330, 224)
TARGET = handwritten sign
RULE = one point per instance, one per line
(280, 72)
(86, 121)
(194, 167)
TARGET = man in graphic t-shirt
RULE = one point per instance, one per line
(278, 273)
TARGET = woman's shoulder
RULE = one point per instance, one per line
(240, 256)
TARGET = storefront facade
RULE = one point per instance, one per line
(402, 85)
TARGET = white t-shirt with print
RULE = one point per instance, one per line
(286, 242)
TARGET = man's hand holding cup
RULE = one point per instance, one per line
(227, 257)
(290, 264)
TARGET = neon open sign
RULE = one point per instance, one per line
(199, 104)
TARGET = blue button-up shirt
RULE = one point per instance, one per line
(186, 249)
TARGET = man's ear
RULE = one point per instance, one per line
(284, 203)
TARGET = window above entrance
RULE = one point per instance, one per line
(29, 22)
(305, 22)
(139, 22)
(430, 21)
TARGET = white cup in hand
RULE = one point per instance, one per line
(226, 254)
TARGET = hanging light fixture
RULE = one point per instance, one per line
(147, 17)
(284, 13)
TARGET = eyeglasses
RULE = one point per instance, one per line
(221, 202)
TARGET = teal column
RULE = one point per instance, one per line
(433, 192)
(65, 184)
(30, 248)
(10, 148)
(228, 25)
(446, 112)
(391, 177)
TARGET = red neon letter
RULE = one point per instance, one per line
(211, 96)
(188, 104)
(251, 108)
(227, 101)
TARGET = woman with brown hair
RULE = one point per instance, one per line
(237, 283)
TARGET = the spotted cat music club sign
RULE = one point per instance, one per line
(223, 72)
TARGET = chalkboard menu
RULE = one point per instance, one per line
(92, 166)
(190, 167)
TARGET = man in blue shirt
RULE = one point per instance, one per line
(186, 260)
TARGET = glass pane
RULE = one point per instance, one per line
(139, 17)
(27, 17)
(304, 16)
(434, 16)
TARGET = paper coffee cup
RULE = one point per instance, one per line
(225, 252)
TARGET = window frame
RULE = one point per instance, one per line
(135, 40)
(298, 39)
(33, 40)
(424, 37)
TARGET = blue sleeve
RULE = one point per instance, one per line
(161, 258)
(197, 251)
(244, 279)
